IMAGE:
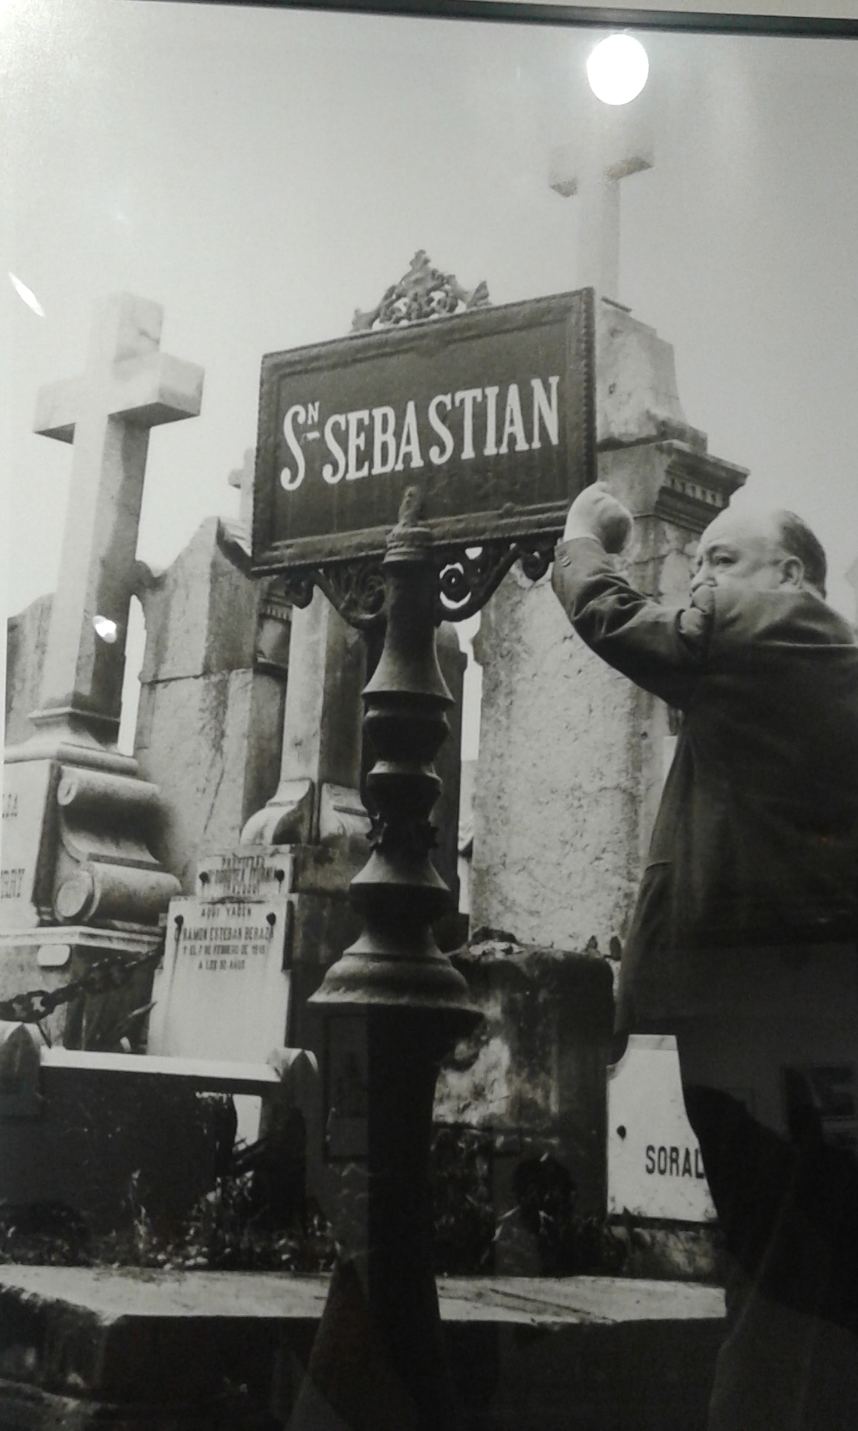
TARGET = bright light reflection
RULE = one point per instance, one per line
(27, 295)
(617, 69)
(106, 629)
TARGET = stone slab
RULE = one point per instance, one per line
(222, 990)
(655, 1169)
(522, 1350)
(253, 871)
(258, 872)
(206, 1075)
(51, 946)
(27, 864)
(105, 1295)
(49, 956)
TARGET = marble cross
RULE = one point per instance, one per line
(128, 387)
(607, 152)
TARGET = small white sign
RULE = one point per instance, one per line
(655, 1169)
(222, 990)
(264, 872)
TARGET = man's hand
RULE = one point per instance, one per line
(595, 513)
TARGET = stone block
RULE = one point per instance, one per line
(557, 819)
(636, 393)
(113, 1350)
(200, 613)
(50, 957)
(211, 742)
(84, 1351)
(26, 644)
(532, 1075)
(29, 843)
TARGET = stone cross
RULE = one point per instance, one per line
(128, 387)
(592, 169)
(243, 478)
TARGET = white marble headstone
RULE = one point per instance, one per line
(222, 990)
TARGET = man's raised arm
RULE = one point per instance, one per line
(661, 648)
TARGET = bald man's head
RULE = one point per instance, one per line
(760, 551)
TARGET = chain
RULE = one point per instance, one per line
(101, 977)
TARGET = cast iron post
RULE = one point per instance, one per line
(414, 1005)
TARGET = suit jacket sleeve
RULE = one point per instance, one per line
(661, 648)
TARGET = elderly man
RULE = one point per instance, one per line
(743, 938)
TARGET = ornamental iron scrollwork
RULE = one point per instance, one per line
(354, 588)
(468, 576)
(423, 292)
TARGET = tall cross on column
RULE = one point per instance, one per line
(607, 152)
(128, 387)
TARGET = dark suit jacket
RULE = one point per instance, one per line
(756, 840)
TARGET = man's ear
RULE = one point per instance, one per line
(792, 571)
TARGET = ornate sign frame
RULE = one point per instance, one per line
(560, 327)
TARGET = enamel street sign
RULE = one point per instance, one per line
(490, 413)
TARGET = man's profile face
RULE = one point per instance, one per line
(742, 550)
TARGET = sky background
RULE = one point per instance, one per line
(261, 173)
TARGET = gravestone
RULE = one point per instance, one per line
(222, 989)
(212, 691)
(78, 875)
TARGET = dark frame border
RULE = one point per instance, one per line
(516, 12)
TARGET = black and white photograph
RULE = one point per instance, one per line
(429, 888)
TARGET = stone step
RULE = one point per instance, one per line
(142, 1350)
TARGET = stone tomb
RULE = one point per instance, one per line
(111, 1350)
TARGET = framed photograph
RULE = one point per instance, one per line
(282, 279)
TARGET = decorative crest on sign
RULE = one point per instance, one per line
(423, 292)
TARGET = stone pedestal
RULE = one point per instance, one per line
(531, 1081)
(78, 881)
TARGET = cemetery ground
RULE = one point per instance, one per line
(196, 1289)
(211, 1322)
